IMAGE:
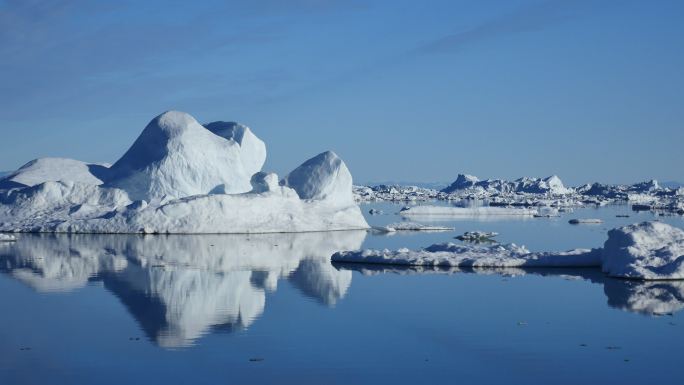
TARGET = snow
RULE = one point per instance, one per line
(410, 226)
(578, 221)
(429, 210)
(43, 170)
(180, 177)
(647, 250)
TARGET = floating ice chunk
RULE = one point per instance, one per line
(52, 170)
(7, 238)
(465, 211)
(577, 221)
(547, 212)
(410, 226)
(323, 177)
(375, 212)
(647, 250)
(453, 255)
(477, 236)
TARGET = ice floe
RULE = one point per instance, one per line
(477, 236)
(7, 238)
(431, 210)
(181, 177)
(647, 250)
(410, 226)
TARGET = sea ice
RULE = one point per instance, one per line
(7, 238)
(428, 210)
(410, 226)
(647, 250)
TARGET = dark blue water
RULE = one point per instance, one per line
(272, 309)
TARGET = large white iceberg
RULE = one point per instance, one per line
(647, 250)
(181, 177)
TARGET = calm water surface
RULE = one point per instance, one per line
(272, 309)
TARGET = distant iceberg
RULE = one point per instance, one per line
(181, 177)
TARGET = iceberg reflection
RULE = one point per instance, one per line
(652, 298)
(179, 287)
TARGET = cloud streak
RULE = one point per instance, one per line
(533, 18)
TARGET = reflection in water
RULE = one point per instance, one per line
(645, 297)
(181, 286)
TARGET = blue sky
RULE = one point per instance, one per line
(401, 90)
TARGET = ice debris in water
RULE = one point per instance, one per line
(7, 237)
(578, 221)
(477, 236)
(410, 226)
(647, 250)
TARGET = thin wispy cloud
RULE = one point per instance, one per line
(531, 18)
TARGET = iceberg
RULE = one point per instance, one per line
(181, 177)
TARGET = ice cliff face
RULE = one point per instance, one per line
(181, 177)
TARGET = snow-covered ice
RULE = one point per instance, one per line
(429, 210)
(533, 192)
(44, 170)
(7, 237)
(647, 250)
(181, 177)
(454, 255)
(410, 226)
(477, 236)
